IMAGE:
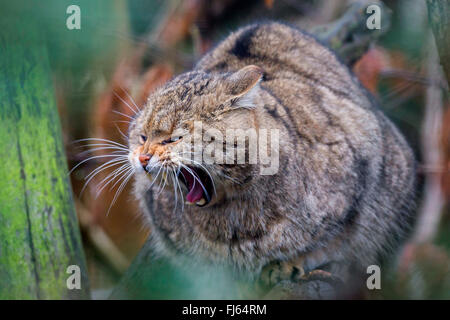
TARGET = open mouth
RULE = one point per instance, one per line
(199, 185)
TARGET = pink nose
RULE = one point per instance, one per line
(143, 159)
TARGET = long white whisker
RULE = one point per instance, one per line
(195, 178)
(207, 171)
(89, 152)
(156, 177)
(105, 145)
(123, 121)
(131, 98)
(191, 152)
(103, 140)
(100, 169)
(126, 103)
(158, 188)
(123, 172)
(111, 177)
(204, 168)
(121, 133)
(92, 158)
(179, 188)
(123, 114)
(115, 150)
(228, 177)
(165, 181)
(175, 189)
(151, 168)
(119, 190)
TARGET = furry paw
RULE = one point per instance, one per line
(321, 275)
(288, 280)
(309, 290)
(276, 272)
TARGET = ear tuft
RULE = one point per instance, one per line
(243, 80)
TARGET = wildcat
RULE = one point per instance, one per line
(342, 198)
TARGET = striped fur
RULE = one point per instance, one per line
(345, 189)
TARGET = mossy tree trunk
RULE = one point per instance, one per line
(39, 235)
(439, 18)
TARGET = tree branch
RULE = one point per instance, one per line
(439, 18)
(349, 35)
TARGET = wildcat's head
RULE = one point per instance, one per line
(186, 121)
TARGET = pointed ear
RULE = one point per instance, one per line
(243, 80)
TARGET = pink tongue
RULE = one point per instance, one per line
(195, 189)
(195, 194)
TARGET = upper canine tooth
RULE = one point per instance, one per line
(201, 202)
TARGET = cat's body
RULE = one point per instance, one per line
(345, 187)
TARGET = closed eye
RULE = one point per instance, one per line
(142, 139)
(172, 139)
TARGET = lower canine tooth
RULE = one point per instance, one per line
(201, 202)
